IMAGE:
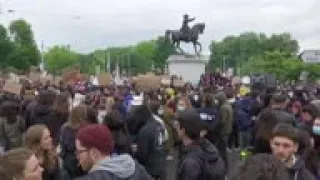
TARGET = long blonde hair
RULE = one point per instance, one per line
(13, 163)
(33, 138)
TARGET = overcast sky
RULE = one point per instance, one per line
(92, 24)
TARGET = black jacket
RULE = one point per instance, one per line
(54, 122)
(38, 113)
(283, 116)
(151, 151)
(52, 174)
(201, 162)
(69, 160)
(300, 172)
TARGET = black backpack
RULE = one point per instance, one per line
(211, 169)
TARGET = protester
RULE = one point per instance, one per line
(67, 142)
(308, 115)
(284, 145)
(141, 120)
(278, 106)
(267, 121)
(151, 149)
(58, 116)
(183, 104)
(210, 116)
(20, 164)
(262, 167)
(120, 133)
(199, 161)
(12, 126)
(94, 150)
(226, 116)
(43, 108)
(39, 141)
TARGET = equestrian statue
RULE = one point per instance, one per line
(186, 34)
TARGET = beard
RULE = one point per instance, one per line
(87, 164)
(287, 160)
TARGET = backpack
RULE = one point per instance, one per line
(210, 170)
(12, 133)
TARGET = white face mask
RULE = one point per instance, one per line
(216, 102)
(160, 111)
(101, 115)
(70, 104)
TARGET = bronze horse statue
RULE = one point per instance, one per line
(176, 36)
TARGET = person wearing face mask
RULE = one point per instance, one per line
(184, 104)
(309, 114)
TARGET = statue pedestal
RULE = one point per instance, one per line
(189, 67)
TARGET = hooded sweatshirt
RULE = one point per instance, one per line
(299, 172)
(117, 167)
(200, 162)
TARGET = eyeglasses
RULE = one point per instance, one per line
(78, 152)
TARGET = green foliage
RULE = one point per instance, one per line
(280, 64)
(239, 50)
(313, 70)
(6, 47)
(59, 57)
(138, 58)
(25, 52)
(162, 51)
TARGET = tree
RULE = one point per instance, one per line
(138, 58)
(25, 52)
(236, 51)
(162, 51)
(280, 64)
(6, 47)
(59, 57)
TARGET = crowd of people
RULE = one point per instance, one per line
(88, 132)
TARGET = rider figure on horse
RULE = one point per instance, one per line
(185, 29)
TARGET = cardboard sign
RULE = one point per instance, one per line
(148, 82)
(178, 83)
(29, 95)
(34, 76)
(46, 78)
(34, 69)
(104, 79)
(12, 87)
(57, 80)
(70, 74)
(166, 80)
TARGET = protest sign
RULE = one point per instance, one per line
(34, 76)
(148, 82)
(178, 83)
(70, 74)
(57, 80)
(104, 79)
(29, 95)
(12, 87)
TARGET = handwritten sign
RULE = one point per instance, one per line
(104, 79)
(12, 87)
